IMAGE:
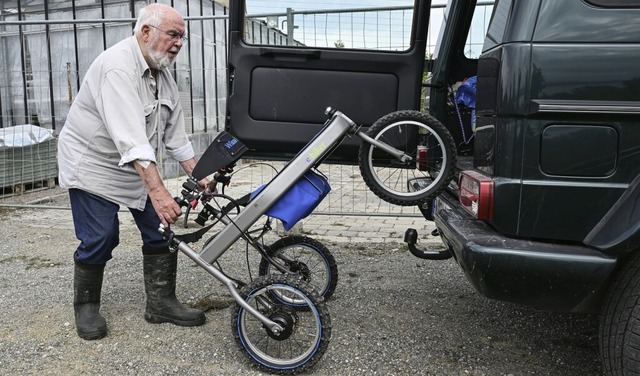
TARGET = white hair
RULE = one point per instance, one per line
(148, 15)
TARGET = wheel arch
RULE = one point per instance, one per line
(618, 232)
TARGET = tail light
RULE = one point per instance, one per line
(476, 194)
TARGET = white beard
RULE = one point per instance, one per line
(160, 60)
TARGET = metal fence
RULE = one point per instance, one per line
(47, 46)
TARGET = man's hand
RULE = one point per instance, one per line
(203, 184)
(166, 207)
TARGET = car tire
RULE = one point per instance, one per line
(620, 322)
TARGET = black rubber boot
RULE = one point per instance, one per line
(87, 284)
(160, 265)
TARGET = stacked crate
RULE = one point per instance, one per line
(28, 166)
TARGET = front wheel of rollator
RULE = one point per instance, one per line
(428, 163)
(306, 332)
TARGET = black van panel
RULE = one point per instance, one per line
(276, 94)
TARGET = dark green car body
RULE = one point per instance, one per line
(558, 132)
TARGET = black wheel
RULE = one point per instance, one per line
(306, 333)
(422, 176)
(305, 257)
(620, 322)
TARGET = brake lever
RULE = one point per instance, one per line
(222, 177)
(181, 201)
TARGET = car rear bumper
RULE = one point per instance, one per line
(548, 276)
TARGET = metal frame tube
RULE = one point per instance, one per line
(231, 285)
(385, 147)
(312, 154)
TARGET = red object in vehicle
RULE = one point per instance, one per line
(422, 158)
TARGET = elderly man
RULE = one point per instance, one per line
(126, 107)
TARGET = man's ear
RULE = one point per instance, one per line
(145, 30)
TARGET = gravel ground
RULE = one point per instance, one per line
(392, 314)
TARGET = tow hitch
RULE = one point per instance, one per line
(411, 238)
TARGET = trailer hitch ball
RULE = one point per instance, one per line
(411, 236)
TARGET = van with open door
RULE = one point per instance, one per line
(541, 99)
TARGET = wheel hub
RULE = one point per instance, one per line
(286, 321)
(300, 268)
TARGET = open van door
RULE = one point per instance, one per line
(455, 60)
(286, 65)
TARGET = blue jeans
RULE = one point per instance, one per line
(97, 227)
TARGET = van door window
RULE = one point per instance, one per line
(375, 25)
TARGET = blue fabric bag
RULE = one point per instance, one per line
(300, 200)
(466, 95)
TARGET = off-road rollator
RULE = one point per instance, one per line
(280, 319)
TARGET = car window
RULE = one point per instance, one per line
(615, 3)
(498, 24)
(478, 29)
(366, 25)
(475, 36)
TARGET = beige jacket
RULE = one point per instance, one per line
(118, 118)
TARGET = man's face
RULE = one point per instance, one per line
(165, 41)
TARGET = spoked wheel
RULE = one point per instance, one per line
(307, 258)
(422, 176)
(306, 333)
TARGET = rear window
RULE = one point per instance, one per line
(349, 24)
(498, 24)
(615, 3)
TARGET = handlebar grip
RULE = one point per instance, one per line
(222, 178)
(180, 201)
